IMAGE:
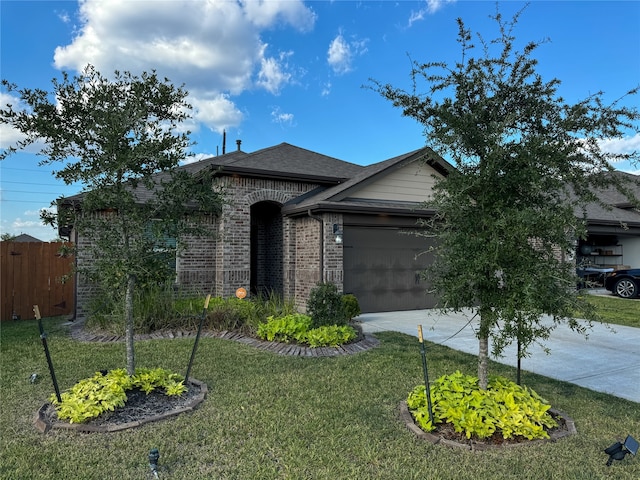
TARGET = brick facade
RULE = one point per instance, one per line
(287, 255)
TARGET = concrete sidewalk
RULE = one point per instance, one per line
(607, 361)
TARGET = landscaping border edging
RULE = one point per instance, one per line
(366, 343)
(43, 425)
(477, 446)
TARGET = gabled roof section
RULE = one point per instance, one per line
(285, 161)
(344, 196)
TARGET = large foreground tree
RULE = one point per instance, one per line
(528, 162)
(121, 140)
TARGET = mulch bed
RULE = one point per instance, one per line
(139, 409)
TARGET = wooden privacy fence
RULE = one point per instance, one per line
(34, 273)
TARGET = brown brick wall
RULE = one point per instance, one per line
(221, 263)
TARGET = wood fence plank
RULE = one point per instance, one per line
(31, 274)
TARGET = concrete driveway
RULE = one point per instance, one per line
(607, 361)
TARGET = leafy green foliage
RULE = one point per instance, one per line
(91, 397)
(298, 327)
(330, 336)
(350, 306)
(526, 162)
(160, 307)
(285, 329)
(504, 407)
(325, 305)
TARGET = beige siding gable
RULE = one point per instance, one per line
(411, 183)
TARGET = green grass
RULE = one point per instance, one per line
(273, 417)
(618, 311)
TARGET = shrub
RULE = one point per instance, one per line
(350, 306)
(505, 407)
(91, 397)
(325, 306)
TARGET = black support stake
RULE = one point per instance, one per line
(423, 352)
(195, 344)
(43, 337)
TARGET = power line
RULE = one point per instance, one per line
(30, 191)
(35, 183)
(4, 200)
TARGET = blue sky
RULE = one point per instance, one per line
(272, 72)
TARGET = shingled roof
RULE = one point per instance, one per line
(337, 198)
(621, 211)
(337, 179)
(288, 162)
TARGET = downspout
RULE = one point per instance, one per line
(76, 275)
(319, 219)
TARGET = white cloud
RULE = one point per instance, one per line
(621, 145)
(273, 73)
(9, 136)
(341, 53)
(214, 47)
(326, 89)
(281, 117)
(265, 13)
(431, 7)
(217, 112)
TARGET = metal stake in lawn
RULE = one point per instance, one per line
(423, 352)
(43, 337)
(195, 344)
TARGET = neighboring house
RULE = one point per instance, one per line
(293, 218)
(23, 237)
(613, 239)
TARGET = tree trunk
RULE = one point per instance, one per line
(483, 356)
(128, 312)
(483, 350)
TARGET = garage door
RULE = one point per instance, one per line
(382, 269)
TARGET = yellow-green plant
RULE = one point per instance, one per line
(285, 329)
(330, 336)
(505, 407)
(91, 397)
(297, 327)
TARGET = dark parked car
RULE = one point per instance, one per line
(624, 283)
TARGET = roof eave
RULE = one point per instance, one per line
(332, 207)
(259, 173)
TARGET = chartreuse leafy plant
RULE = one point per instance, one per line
(330, 336)
(285, 329)
(297, 327)
(91, 397)
(504, 407)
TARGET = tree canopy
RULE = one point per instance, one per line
(122, 139)
(527, 164)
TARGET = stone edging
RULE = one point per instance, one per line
(43, 425)
(368, 342)
(407, 418)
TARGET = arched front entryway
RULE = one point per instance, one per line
(266, 248)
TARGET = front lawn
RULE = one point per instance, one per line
(276, 417)
(618, 311)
